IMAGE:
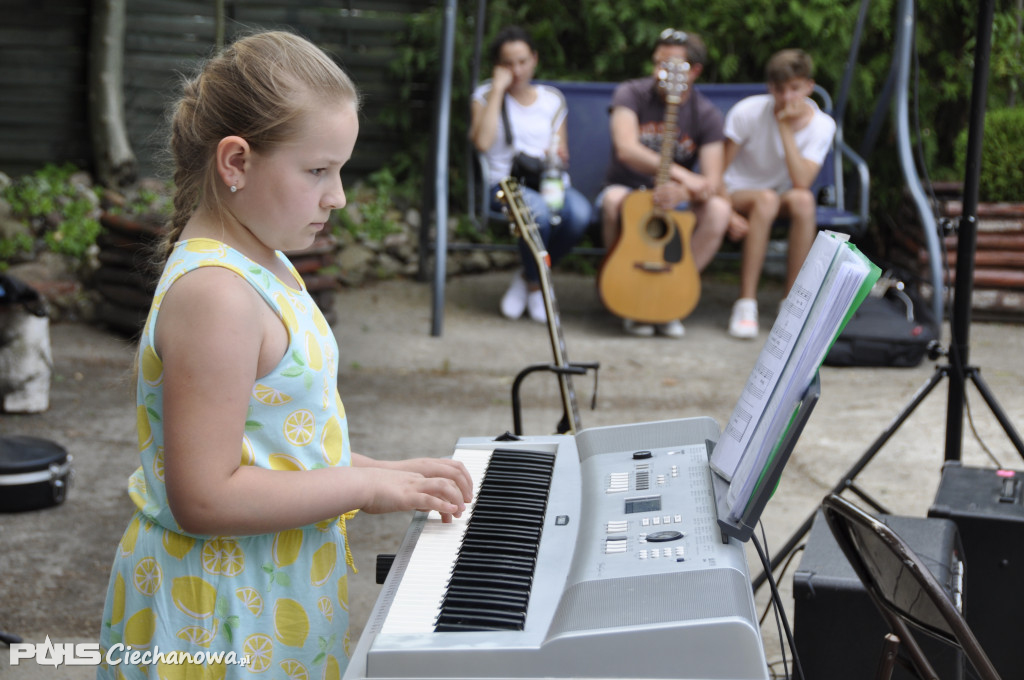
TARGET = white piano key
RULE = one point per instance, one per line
(419, 595)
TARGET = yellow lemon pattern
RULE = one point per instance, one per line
(147, 576)
(299, 427)
(152, 368)
(223, 556)
(282, 598)
(332, 441)
(291, 623)
(282, 461)
(286, 547)
(324, 559)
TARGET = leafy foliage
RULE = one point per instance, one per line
(59, 211)
(611, 40)
(1001, 175)
(371, 214)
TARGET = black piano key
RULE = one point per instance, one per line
(476, 545)
(523, 520)
(498, 619)
(497, 616)
(487, 575)
(513, 506)
(523, 457)
(472, 592)
(502, 564)
(489, 587)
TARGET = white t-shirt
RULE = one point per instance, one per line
(533, 127)
(760, 162)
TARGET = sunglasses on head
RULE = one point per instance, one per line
(671, 36)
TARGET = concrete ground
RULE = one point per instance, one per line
(408, 393)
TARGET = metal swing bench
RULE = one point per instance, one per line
(590, 150)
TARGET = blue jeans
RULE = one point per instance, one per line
(576, 215)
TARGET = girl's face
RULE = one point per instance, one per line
(289, 192)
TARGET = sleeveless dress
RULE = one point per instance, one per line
(279, 601)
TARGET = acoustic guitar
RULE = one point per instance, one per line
(525, 227)
(649, 275)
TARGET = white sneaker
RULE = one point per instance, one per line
(643, 330)
(672, 329)
(513, 302)
(743, 322)
(535, 306)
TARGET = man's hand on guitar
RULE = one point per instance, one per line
(670, 194)
(695, 188)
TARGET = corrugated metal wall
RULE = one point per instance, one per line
(43, 80)
(43, 62)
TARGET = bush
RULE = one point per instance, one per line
(1001, 177)
(61, 209)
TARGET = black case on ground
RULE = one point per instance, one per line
(988, 508)
(837, 629)
(34, 473)
(880, 334)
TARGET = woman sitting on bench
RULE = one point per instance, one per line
(511, 114)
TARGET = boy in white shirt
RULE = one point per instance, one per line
(774, 146)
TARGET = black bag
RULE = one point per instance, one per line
(526, 168)
(894, 329)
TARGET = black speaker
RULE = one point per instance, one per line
(837, 629)
(986, 505)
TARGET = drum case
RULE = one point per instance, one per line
(34, 473)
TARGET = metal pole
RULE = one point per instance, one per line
(967, 237)
(905, 39)
(444, 101)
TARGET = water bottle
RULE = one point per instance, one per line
(552, 188)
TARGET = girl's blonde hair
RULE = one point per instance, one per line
(257, 89)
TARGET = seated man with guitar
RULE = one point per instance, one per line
(661, 221)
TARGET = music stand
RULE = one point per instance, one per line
(957, 370)
(743, 526)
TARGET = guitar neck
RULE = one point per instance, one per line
(526, 228)
(572, 412)
(668, 140)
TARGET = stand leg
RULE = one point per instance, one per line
(997, 411)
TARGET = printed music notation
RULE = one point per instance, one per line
(834, 279)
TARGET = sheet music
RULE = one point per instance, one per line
(752, 405)
(839, 291)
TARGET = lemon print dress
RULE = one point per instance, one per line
(281, 600)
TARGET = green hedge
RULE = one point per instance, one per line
(610, 40)
(1001, 176)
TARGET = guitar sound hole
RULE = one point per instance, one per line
(657, 229)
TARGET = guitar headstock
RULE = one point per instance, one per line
(521, 220)
(674, 79)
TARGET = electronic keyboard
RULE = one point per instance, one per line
(595, 555)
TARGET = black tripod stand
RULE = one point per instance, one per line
(957, 369)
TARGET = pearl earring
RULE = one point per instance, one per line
(234, 188)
